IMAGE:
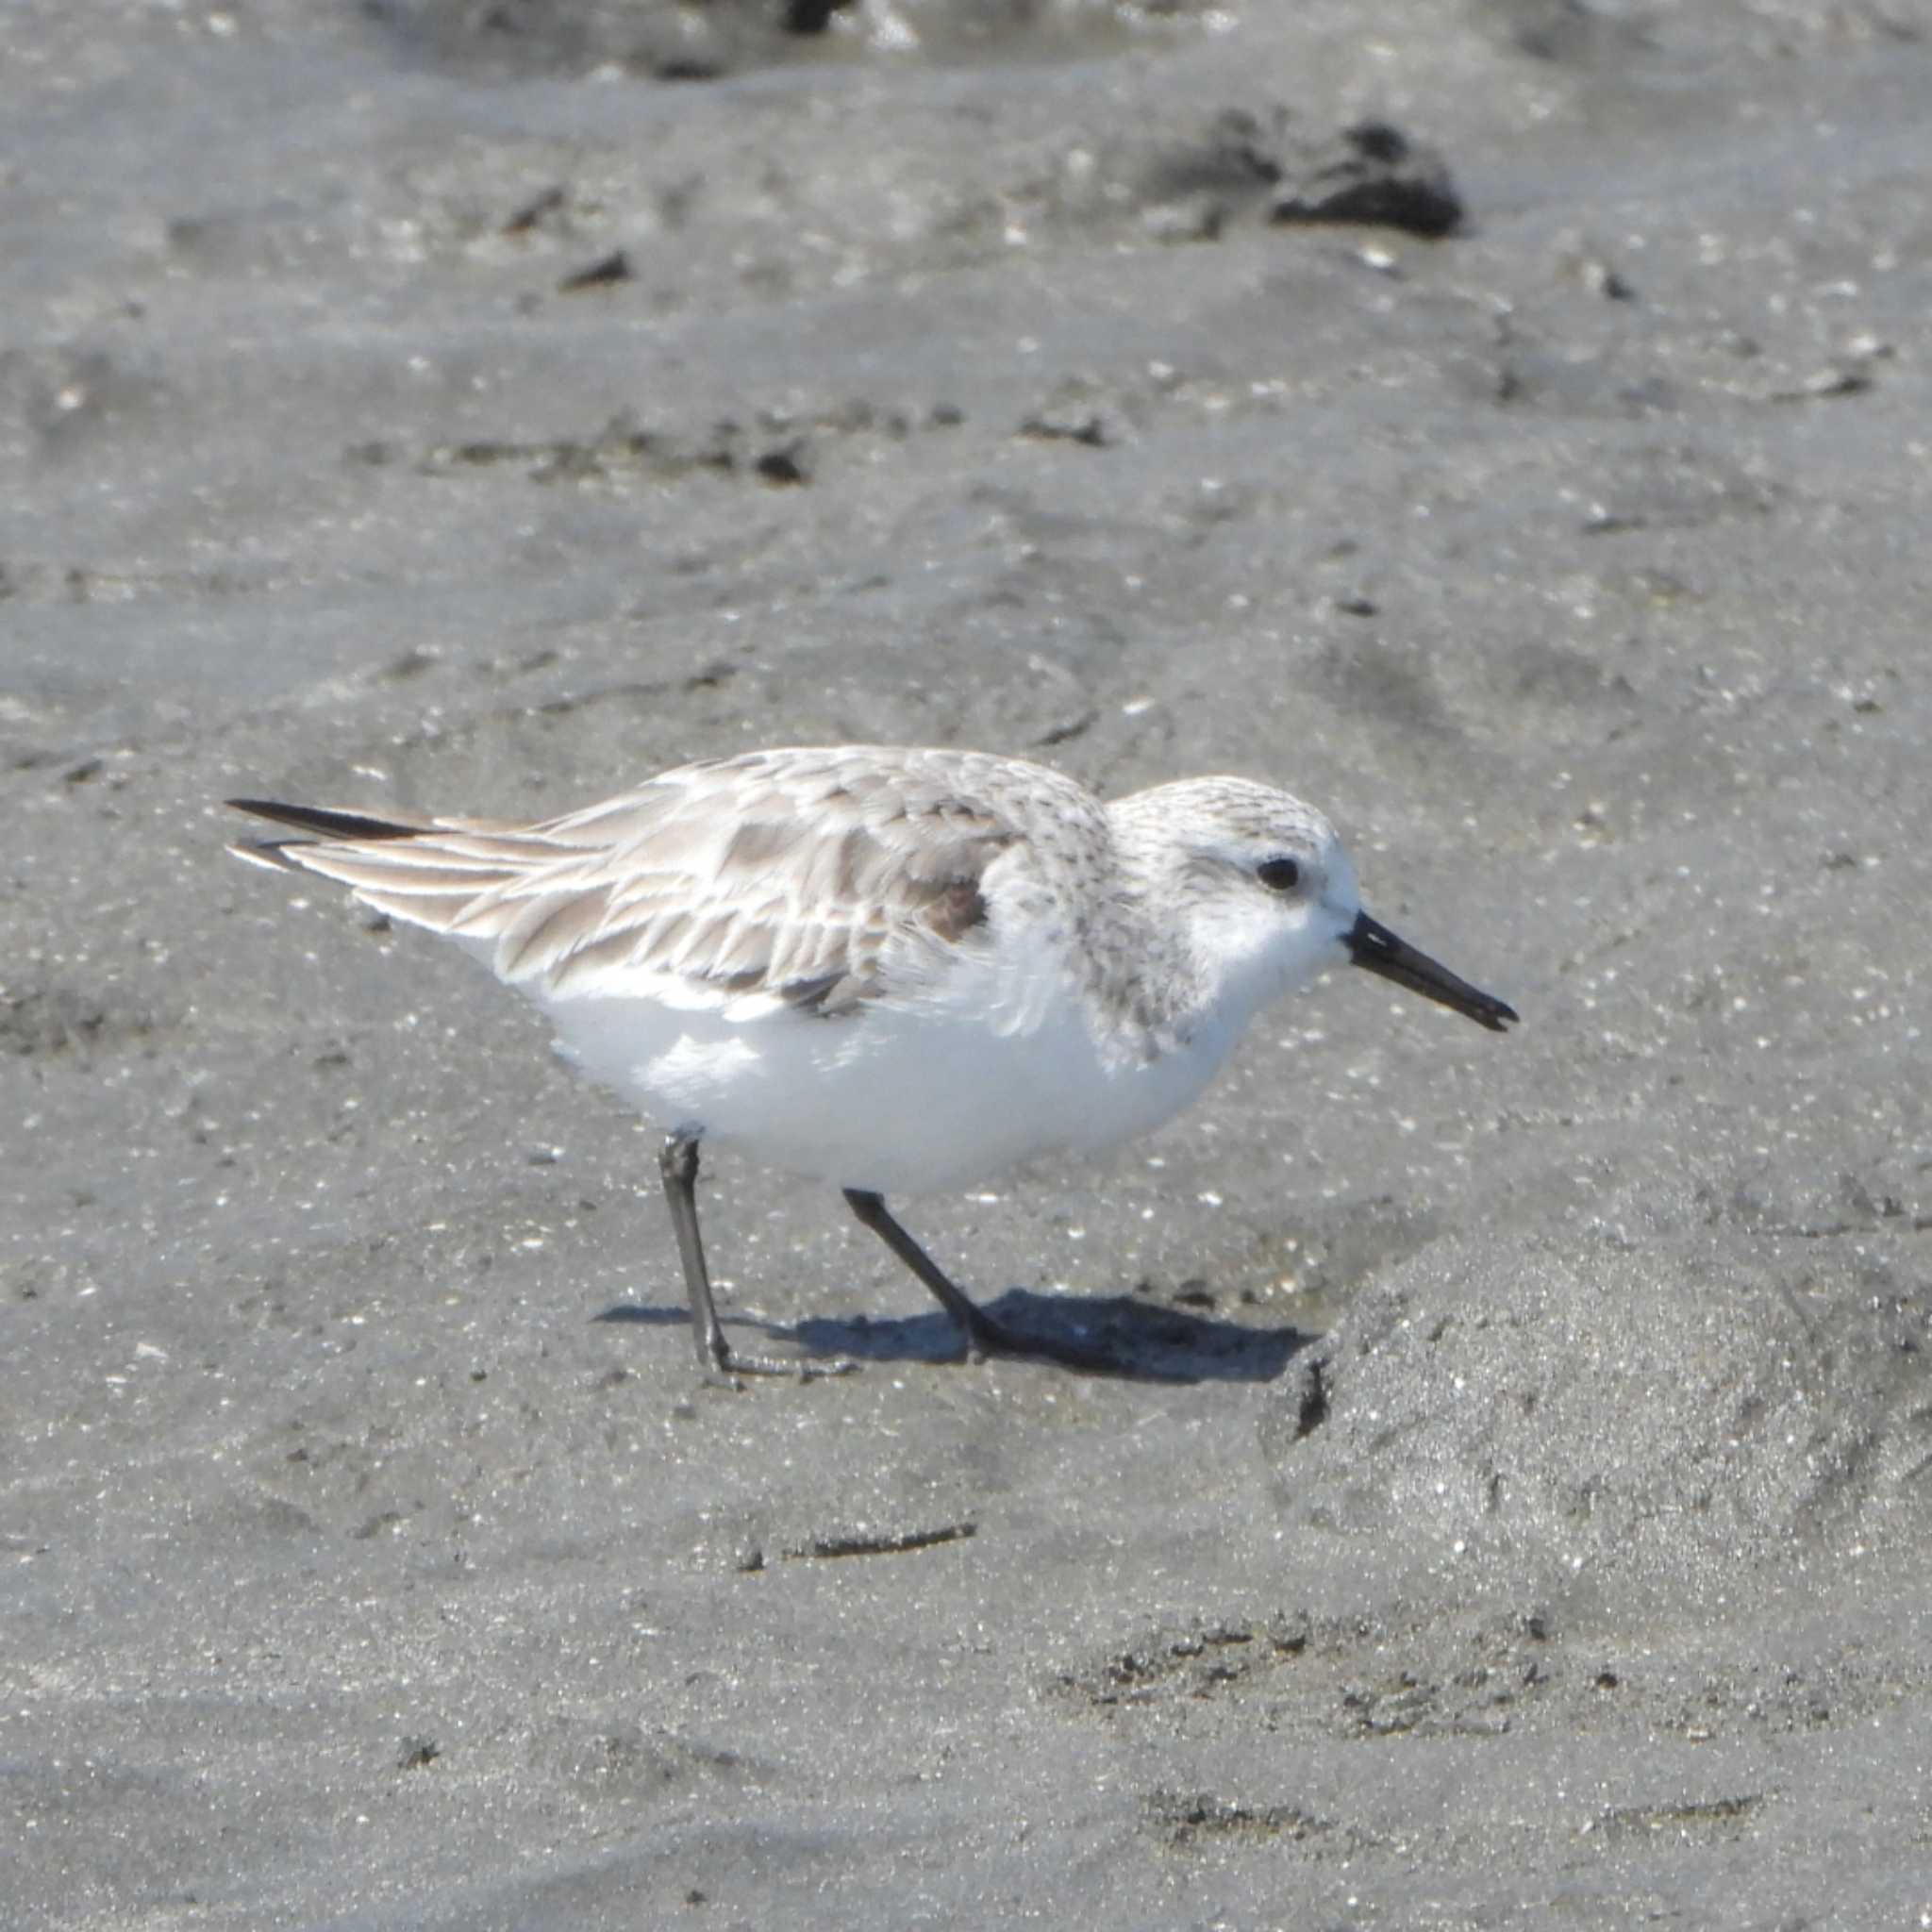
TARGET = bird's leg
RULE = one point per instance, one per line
(984, 1334)
(979, 1329)
(678, 1161)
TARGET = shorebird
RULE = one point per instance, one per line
(894, 970)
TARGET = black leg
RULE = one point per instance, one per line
(678, 1161)
(983, 1336)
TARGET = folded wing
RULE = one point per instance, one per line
(815, 881)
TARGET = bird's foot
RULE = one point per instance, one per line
(985, 1337)
(728, 1366)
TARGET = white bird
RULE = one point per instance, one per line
(888, 969)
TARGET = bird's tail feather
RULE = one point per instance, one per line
(428, 872)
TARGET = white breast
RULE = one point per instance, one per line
(1002, 1062)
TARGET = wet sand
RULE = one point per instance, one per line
(1522, 1516)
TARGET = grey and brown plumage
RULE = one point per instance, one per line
(891, 968)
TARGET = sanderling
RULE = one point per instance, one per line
(886, 969)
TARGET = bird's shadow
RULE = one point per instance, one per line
(1130, 1337)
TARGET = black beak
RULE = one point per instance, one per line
(1371, 944)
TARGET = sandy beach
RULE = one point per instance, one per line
(1524, 1514)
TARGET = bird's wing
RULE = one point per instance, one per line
(814, 879)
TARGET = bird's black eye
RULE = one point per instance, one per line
(1279, 875)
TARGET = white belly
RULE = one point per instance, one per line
(892, 1099)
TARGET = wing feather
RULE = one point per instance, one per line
(815, 879)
